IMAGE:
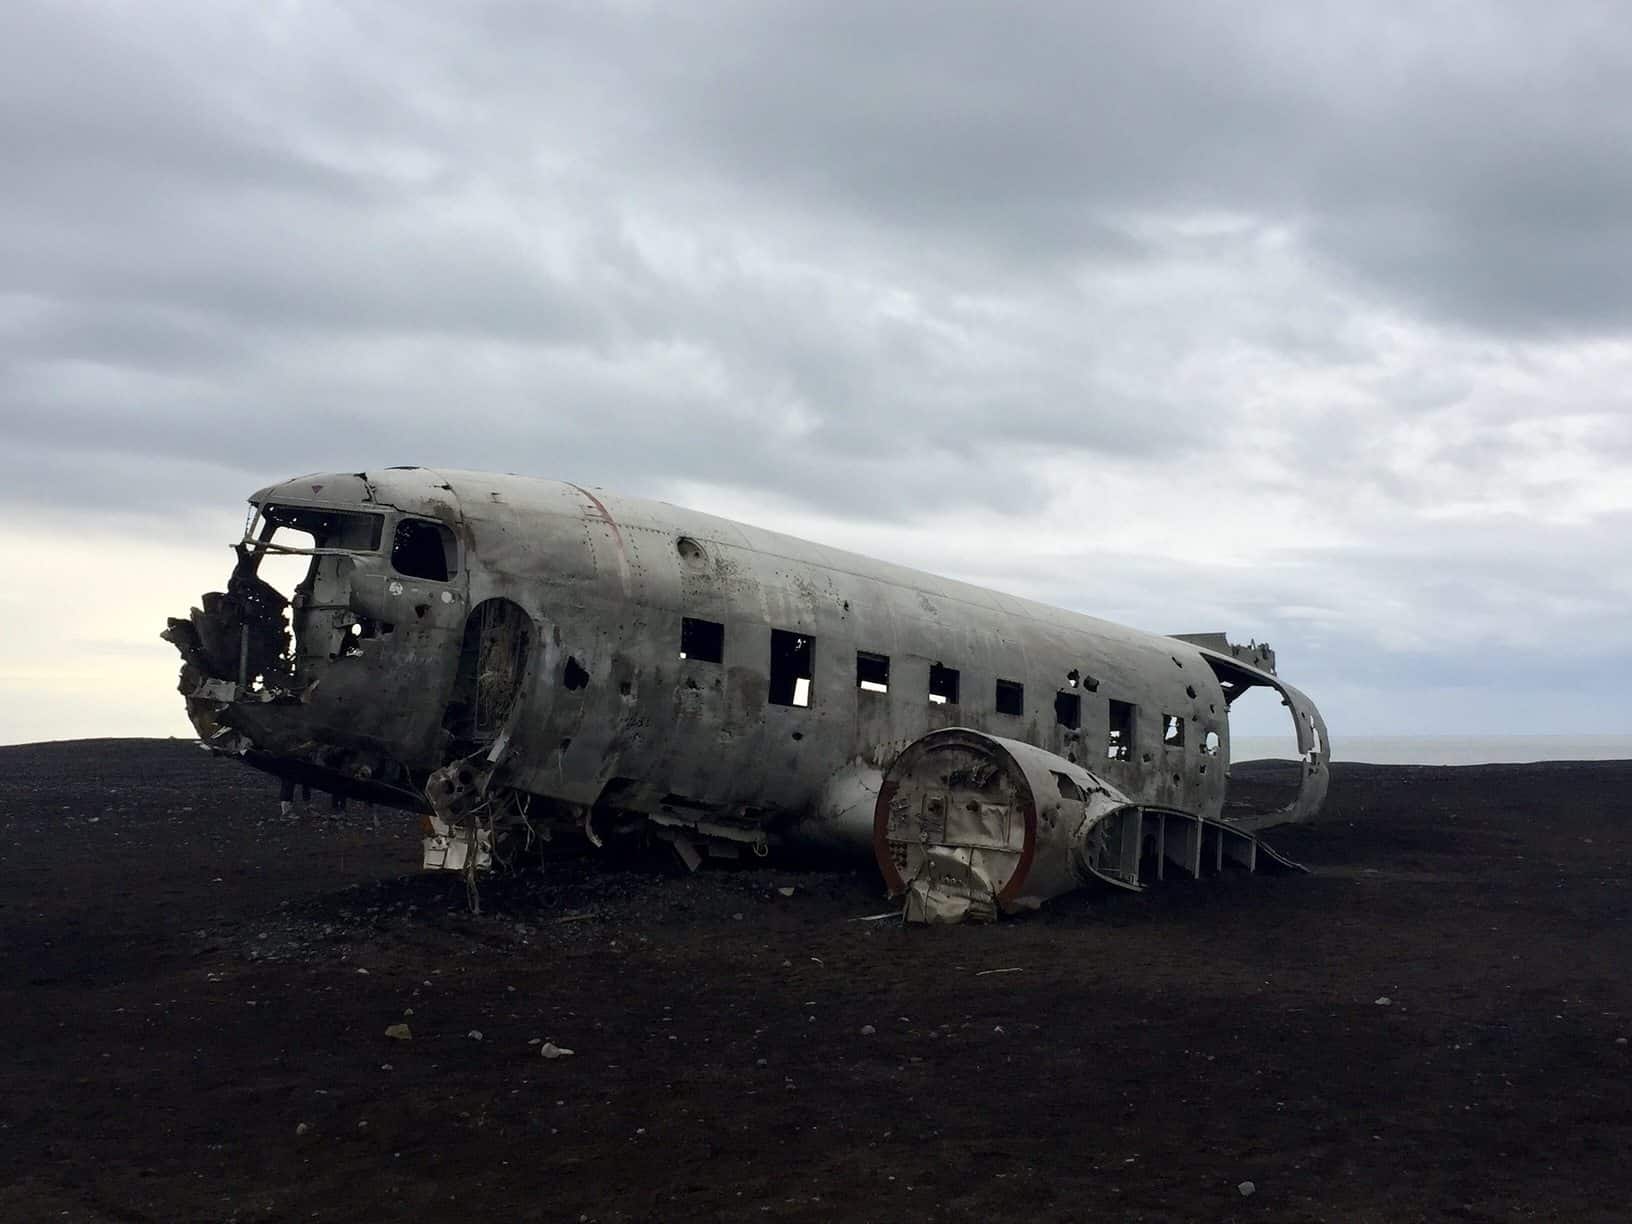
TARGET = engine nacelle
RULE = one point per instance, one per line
(968, 824)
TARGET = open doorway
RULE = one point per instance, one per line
(492, 672)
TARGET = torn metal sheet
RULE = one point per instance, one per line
(527, 660)
(447, 847)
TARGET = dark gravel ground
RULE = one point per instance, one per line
(198, 994)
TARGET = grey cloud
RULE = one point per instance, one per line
(1469, 163)
(1047, 267)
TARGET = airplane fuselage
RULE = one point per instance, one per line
(614, 656)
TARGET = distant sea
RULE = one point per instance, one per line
(1445, 749)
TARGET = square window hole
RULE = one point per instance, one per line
(702, 640)
(1172, 731)
(872, 672)
(1119, 734)
(792, 668)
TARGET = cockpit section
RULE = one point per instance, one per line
(342, 611)
(306, 554)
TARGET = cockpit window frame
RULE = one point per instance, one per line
(267, 518)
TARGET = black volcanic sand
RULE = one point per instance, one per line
(197, 994)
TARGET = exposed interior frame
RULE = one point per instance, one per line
(1235, 678)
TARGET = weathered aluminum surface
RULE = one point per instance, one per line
(549, 654)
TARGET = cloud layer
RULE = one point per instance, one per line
(1309, 324)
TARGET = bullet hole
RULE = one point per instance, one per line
(566, 743)
(692, 684)
(1191, 689)
(624, 687)
(421, 609)
(1176, 662)
(798, 735)
(574, 676)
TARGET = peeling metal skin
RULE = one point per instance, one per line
(524, 659)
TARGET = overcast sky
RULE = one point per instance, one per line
(1309, 322)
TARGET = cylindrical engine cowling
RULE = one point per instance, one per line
(969, 823)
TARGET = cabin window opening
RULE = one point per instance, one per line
(702, 640)
(1119, 736)
(1011, 697)
(1172, 731)
(872, 672)
(425, 549)
(792, 668)
(1209, 744)
(1068, 710)
(943, 685)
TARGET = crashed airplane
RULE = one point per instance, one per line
(525, 659)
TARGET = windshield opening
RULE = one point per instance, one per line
(288, 541)
(284, 571)
(328, 530)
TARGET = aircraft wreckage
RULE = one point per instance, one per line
(522, 659)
